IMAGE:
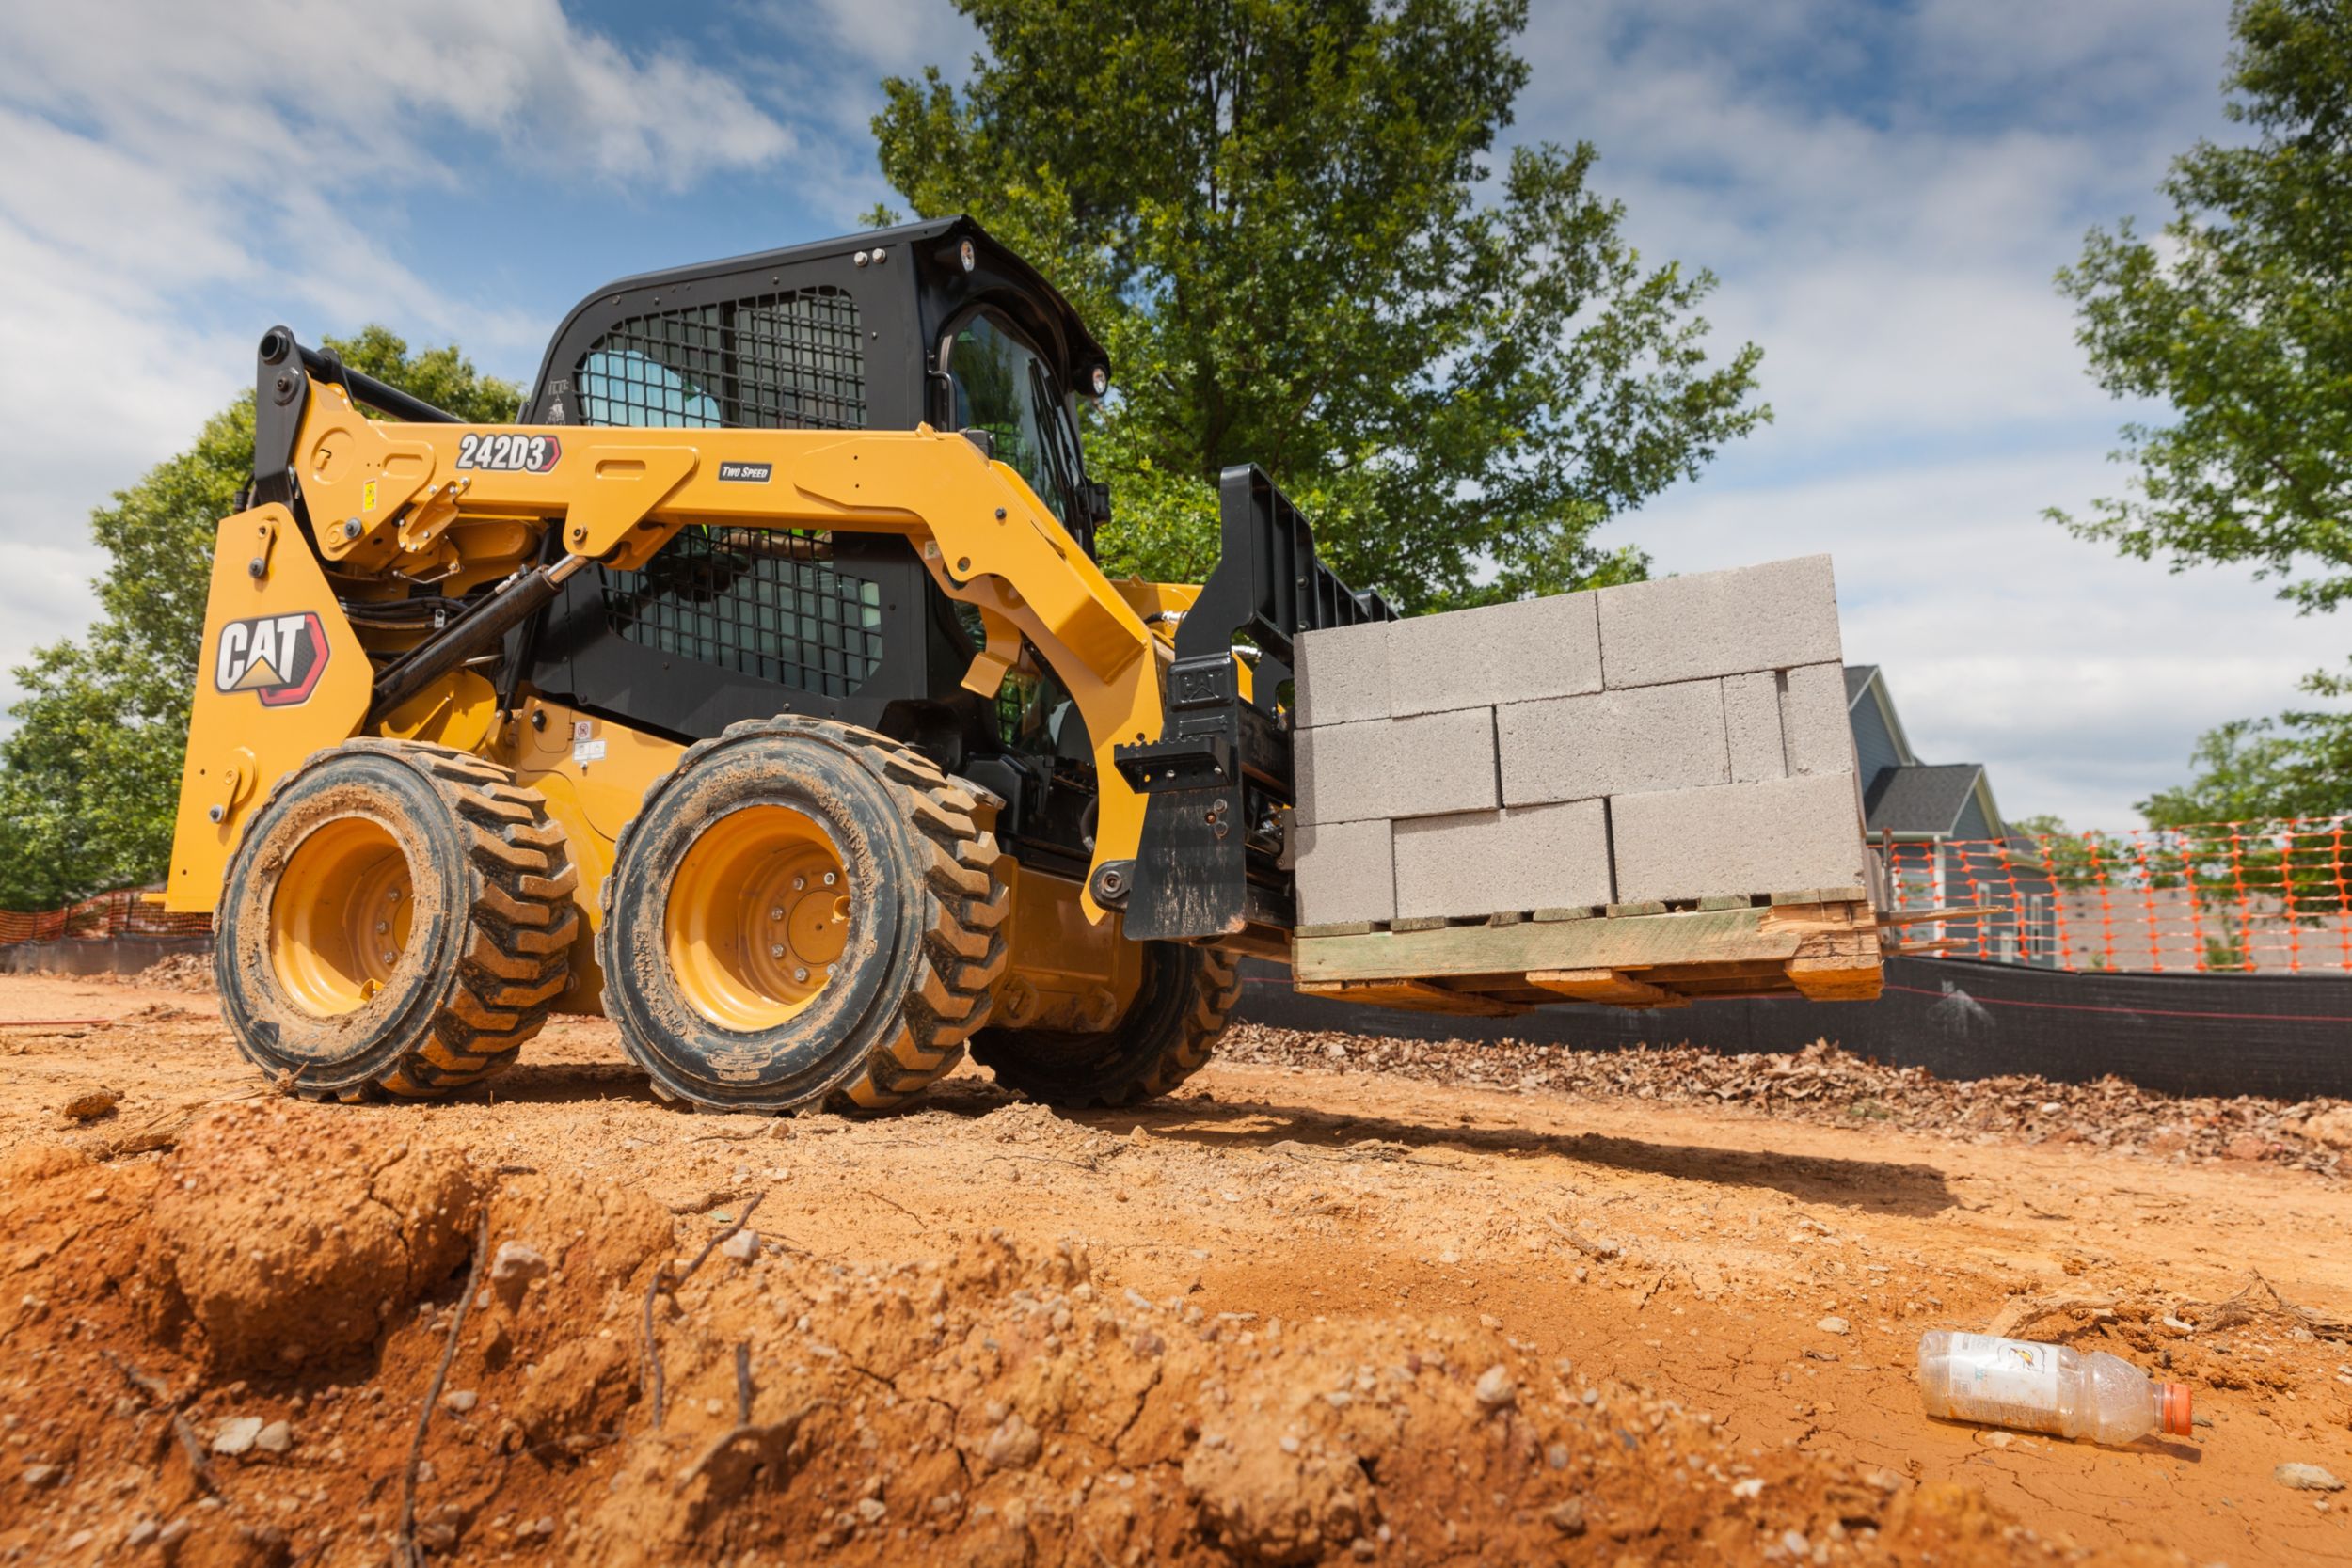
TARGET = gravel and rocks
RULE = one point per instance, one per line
(1825, 1083)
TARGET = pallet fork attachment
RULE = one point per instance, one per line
(1218, 784)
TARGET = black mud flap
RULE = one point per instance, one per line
(1218, 784)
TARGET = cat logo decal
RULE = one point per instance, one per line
(276, 657)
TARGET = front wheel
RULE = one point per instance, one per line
(397, 921)
(801, 909)
(1169, 1030)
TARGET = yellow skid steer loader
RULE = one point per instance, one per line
(759, 690)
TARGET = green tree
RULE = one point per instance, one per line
(1277, 215)
(2240, 319)
(90, 777)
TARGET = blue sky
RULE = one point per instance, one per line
(1884, 192)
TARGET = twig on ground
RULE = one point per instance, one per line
(743, 1384)
(155, 1389)
(661, 1283)
(405, 1551)
(195, 1450)
(893, 1203)
(1602, 1251)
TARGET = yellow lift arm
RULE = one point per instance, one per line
(462, 504)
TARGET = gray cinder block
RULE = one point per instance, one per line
(1768, 617)
(1579, 747)
(1814, 722)
(1774, 836)
(1751, 723)
(1496, 654)
(1345, 873)
(1340, 772)
(1342, 675)
(1425, 766)
(1436, 764)
(1492, 862)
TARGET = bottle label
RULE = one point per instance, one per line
(2011, 1374)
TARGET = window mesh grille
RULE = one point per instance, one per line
(762, 602)
(794, 360)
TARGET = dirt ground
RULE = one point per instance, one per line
(1340, 1299)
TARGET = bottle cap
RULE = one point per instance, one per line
(2172, 1416)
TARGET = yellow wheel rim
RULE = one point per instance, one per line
(758, 915)
(338, 917)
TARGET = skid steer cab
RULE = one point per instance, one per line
(758, 690)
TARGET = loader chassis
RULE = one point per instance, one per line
(759, 688)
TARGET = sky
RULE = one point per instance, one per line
(1885, 193)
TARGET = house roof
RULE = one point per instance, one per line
(1921, 798)
(1857, 681)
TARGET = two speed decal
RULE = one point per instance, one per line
(510, 454)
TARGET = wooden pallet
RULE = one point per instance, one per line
(1821, 943)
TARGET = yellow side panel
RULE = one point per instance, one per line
(595, 775)
(280, 675)
(1067, 971)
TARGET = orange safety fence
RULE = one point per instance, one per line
(122, 913)
(2274, 896)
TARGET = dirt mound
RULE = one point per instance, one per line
(628, 1385)
(285, 1232)
(1825, 1084)
(189, 972)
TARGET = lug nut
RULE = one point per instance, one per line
(392, 894)
(775, 951)
(831, 878)
(799, 882)
(800, 977)
(388, 957)
(382, 927)
(777, 913)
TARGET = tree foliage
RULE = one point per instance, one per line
(90, 777)
(2240, 319)
(1283, 218)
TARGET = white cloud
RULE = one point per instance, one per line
(2080, 679)
(163, 153)
(1887, 196)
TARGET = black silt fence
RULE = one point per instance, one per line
(2286, 1035)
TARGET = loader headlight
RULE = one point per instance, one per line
(1102, 381)
(965, 254)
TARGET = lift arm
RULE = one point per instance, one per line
(426, 498)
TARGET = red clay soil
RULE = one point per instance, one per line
(1302, 1312)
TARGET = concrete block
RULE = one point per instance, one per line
(1817, 734)
(1426, 766)
(1342, 772)
(1496, 654)
(1580, 748)
(1436, 764)
(1765, 837)
(1494, 862)
(1345, 873)
(1342, 675)
(1751, 723)
(1768, 617)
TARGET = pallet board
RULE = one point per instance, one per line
(1819, 943)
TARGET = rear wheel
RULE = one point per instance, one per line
(398, 920)
(801, 909)
(1166, 1037)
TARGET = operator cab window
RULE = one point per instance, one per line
(1002, 385)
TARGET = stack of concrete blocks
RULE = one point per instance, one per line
(1662, 741)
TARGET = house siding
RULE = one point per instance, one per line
(1874, 748)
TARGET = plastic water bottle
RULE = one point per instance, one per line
(2035, 1387)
